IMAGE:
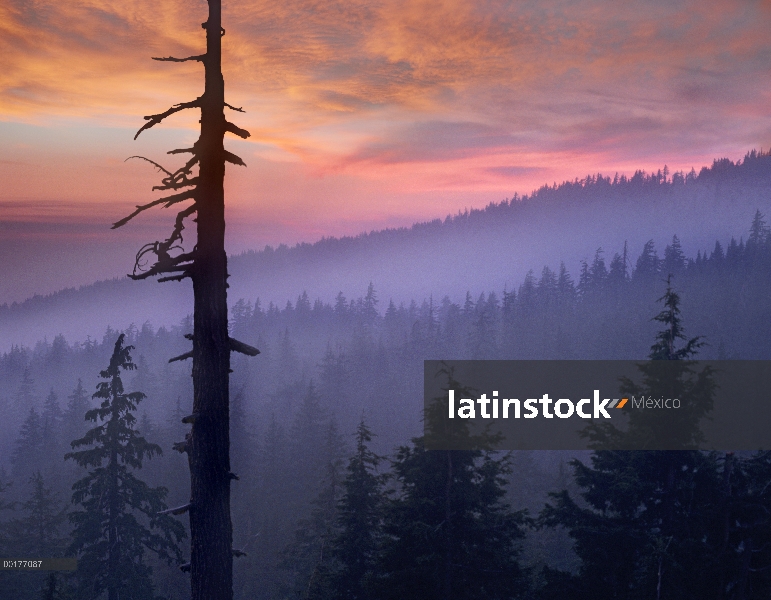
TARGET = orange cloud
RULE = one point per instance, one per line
(380, 100)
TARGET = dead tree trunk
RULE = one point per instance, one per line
(208, 443)
(211, 558)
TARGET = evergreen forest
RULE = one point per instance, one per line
(337, 495)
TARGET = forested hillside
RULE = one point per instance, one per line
(483, 250)
(326, 366)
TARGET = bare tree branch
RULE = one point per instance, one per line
(176, 511)
(200, 58)
(183, 150)
(179, 268)
(139, 263)
(182, 446)
(179, 179)
(242, 133)
(232, 158)
(176, 180)
(236, 346)
(189, 164)
(174, 278)
(165, 263)
(188, 195)
(177, 198)
(155, 119)
(184, 356)
(234, 108)
(152, 162)
(179, 225)
(157, 270)
(180, 182)
(180, 258)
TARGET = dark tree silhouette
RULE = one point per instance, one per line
(110, 535)
(208, 443)
(27, 454)
(360, 514)
(38, 532)
(664, 348)
(648, 526)
(449, 532)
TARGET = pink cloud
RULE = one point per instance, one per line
(418, 108)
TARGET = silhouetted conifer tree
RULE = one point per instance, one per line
(565, 287)
(309, 558)
(674, 259)
(369, 307)
(37, 534)
(25, 396)
(27, 454)
(360, 513)
(449, 533)
(648, 528)
(584, 279)
(759, 235)
(74, 422)
(647, 263)
(341, 306)
(333, 378)
(547, 288)
(272, 511)
(617, 271)
(240, 315)
(7, 583)
(109, 538)
(527, 296)
(307, 441)
(745, 565)
(52, 443)
(598, 273)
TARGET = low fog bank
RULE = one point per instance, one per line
(325, 366)
(480, 250)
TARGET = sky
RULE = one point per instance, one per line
(363, 114)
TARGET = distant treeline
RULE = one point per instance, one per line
(357, 351)
(754, 169)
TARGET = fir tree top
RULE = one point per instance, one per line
(664, 347)
(117, 433)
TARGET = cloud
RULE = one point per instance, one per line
(412, 94)
(435, 141)
(514, 171)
